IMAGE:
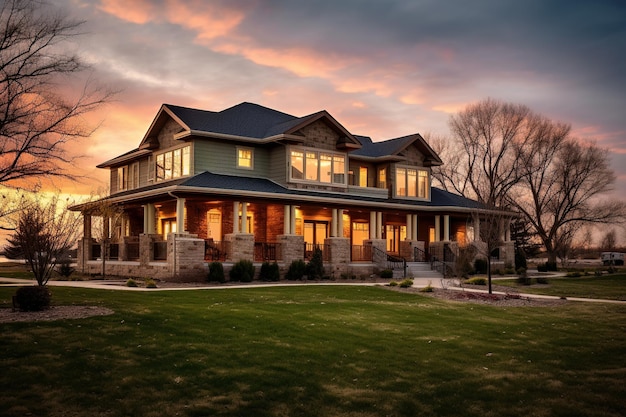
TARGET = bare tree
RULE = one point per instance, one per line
(45, 233)
(561, 182)
(37, 122)
(609, 241)
(492, 226)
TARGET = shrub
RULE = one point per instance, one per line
(551, 266)
(315, 267)
(542, 280)
(269, 272)
(406, 283)
(477, 281)
(520, 260)
(393, 284)
(65, 268)
(573, 274)
(386, 273)
(480, 266)
(33, 298)
(216, 272)
(131, 283)
(428, 288)
(296, 270)
(242, 271)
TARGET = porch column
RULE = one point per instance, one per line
(235, 217)
(333, 223)
(414, 237)
(339, 223)
(373, 226)
(446, 228)
(379, 225)
(287, 220)
(106, 227)
(476, 229)
(292, 219)
(437, 227)
(409, 226)
(87, 226)
(507, 230)
(180, 215)
(244, 217)
(148, 219)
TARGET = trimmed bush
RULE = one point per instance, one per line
(216, 272)
(242, 271)
(296, 270)
(269, 272)
(131, 282)
(386, 273)
(428, 288)
(150, 283)
(480, 266)
(33, 298)
(406, 283)
(315, 267)
(477, 281)
(393, 284)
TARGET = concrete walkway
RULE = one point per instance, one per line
(417, 283)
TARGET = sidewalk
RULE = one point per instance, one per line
(417, 283)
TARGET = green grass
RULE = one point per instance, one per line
(612, 287)
(313, 351)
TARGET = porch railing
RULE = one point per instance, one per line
(387, 261)
(309, 248)
(267, 251)
(132, 251)
(361, 253)
(215, 250)
(420, 255)
(160, 251)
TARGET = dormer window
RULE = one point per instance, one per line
(412, 182)
(173, 164)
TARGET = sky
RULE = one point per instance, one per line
(382, 68)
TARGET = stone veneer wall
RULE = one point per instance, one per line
(340, 253)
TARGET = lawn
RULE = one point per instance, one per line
(313, 351)
(611, 286)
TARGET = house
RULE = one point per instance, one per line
(250, 182)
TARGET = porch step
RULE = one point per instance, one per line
(421, 270)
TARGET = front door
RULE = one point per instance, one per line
(394, 234)
(315, 232)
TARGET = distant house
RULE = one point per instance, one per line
(254, 183)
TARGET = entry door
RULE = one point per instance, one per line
(168, 226)
(395, 234)
(214, 225)
(315, 232)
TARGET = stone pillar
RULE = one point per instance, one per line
(446, 228)
(241, 246)
(292, 248)
(339, 254)
(187, 259)
(380, 244)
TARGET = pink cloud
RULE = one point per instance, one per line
(136, 11)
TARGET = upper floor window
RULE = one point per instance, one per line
(245, 158)
(412, 182)
(318, 166)
(128, 177)
(382, 178)
(173, 164)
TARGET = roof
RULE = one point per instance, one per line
(393, 147)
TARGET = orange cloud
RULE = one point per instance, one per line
(208, 20)
(136, 11)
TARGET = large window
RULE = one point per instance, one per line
(412, 182)
(317, 166)
(128, 177)
(173, 164)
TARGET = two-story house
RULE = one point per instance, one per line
(254, 183)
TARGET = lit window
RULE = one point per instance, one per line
(244, 158)
(297, 165)
(339, 169)
(382, 178)
(128, 177)
(412, 182)
(311, 166)
(362, 176)
(326, 163)
(323, 167)
(173, 164)
(401, 182)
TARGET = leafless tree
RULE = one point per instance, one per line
(37, 120)
(492, 224)
(44, 234)
(609, 241)
(561, 182)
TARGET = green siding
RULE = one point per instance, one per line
(221, 157)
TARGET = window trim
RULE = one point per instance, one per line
(334, 156)
(128, 176)
(184, 169)
(407, 193)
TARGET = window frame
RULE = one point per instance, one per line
(169, 168)
(403, 191)
(239, 158)
(317, 159)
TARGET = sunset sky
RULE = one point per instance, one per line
(382, 68)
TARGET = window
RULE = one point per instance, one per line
(412, 182)
(316, 166)
(244, 158)
(382, 178)
(128, 177)
(362, 176)
(173, 164)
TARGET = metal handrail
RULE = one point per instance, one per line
(387, 261)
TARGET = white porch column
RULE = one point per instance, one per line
(414, 237)
(287, 221)
(476, 229)
(333, 223)
(292, 218)
(244, 217)
(379, 225)
(437, 227)
(151, 219)
(373, 225)
(235, 217)
(446, 228)
(122, 226)
(339, 223)
(180, 215)
(409, 227)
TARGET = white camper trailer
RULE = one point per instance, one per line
(612, 258)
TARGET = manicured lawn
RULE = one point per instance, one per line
(612, 286)
(313, 351)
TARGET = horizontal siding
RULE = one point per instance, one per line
(278, 165)
(221, 157)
